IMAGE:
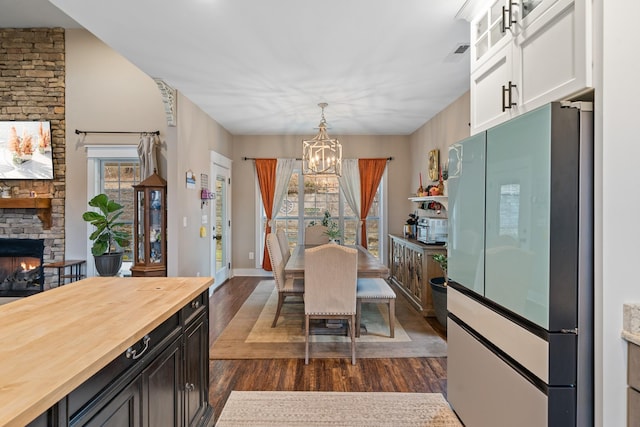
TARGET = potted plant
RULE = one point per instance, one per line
(333, 231)
(109, 236)
(439, 290)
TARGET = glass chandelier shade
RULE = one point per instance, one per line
(322, 155)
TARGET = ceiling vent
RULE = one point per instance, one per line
(462, 48)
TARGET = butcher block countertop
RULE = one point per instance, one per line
(52, 342)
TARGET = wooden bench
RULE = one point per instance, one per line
(375, 290)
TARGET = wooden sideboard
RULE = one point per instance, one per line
(108, 351)
(411, 266)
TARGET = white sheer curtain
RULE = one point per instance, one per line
(350, 186)
(284, 169)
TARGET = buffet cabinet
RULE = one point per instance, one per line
(162, 380)
(411, 267)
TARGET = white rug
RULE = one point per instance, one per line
(315, 409)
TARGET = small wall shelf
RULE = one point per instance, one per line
(42, 205)
(443, 200)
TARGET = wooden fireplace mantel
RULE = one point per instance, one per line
(42, 205)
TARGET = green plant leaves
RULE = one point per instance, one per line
(107, 229)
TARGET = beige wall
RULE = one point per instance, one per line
(106, 92)
(244, 188)
(448, 126)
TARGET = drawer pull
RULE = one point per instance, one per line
(195, 304)
(133, 354)
(189, 387)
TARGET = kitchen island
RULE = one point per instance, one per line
(128, 349)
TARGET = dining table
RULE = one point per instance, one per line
(368, 265)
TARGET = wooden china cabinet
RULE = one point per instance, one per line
(150, 225)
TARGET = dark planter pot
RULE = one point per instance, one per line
(108, 264)
(439, 297)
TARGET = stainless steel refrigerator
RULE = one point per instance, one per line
(520, 299)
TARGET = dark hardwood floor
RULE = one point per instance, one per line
(424, 375)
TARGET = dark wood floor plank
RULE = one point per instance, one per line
(419, 375)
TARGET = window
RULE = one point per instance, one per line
(113, 170)
(306, 201)
(117, 178)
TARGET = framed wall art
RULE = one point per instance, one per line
(25, 150)
(434, 164)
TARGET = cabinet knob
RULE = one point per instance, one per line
(189, 387)
(195, 304)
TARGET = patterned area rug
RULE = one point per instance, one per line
(313, 409)
(249, 335)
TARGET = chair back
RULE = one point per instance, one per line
(283, 241)
(316, 235)
(277, 263)
(330, 280)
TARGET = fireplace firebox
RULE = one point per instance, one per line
(21, 267)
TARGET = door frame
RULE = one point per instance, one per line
(219, 161)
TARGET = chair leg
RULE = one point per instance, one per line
(392, 316)
(280, 301)
(306, 340)
(353, 339)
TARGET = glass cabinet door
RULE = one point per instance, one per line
(140, 232)
(156, 236)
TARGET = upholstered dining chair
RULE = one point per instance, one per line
(288, 287)
(330, 278)
(316, 235)
(283, 241)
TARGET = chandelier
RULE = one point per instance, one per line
(322, 155)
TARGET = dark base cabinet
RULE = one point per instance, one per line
(161, 381)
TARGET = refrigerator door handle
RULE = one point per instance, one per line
(569, 331)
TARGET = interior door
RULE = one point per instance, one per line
(221, 214)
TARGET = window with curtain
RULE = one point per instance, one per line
(307, 199)
(117, 178)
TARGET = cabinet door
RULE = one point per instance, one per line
(466, 212)
(196, 381)
(554, 57)
(162, 394)
(122, 411)
(488, 85)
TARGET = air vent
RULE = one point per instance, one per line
(462, 48)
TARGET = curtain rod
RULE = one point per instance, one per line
(253, 158)
(78, 132)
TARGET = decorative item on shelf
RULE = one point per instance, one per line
(420, 191)
(5, 192)
(109, 237)
(434, 164)
(441, 185)
(322, 155)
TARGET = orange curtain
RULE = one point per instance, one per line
(266, 170)
(371, 171)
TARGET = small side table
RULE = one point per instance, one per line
(74, 273)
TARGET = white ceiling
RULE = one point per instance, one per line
(262, 66)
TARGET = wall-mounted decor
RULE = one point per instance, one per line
(25, 150)
(434, 162)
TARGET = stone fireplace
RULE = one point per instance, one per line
(21, 267)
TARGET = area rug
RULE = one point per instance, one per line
(315, 408)
(249, 335)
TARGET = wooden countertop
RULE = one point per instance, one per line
(52, 342)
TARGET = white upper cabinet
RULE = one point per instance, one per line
(526, 53)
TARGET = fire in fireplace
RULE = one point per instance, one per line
(21, 267)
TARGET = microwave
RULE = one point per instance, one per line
(432, 230)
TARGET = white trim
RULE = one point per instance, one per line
(218, 160)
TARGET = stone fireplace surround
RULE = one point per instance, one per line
(32, 87)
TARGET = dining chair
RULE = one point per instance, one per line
(286, 287)
(283, 241)
(330, 278)
(316, 235)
